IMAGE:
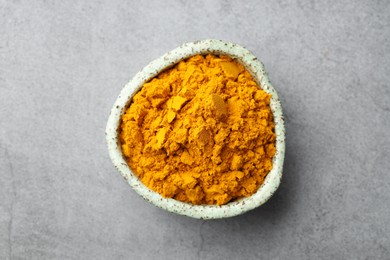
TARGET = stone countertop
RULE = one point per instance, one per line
(63, 63)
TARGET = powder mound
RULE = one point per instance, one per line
(201, 132)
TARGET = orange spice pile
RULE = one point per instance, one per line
(201, 132)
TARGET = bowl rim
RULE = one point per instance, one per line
(169, 59)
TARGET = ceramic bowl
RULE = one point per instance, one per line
(256, 68)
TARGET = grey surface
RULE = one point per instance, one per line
(62, 64)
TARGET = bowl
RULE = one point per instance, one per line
(256, 68)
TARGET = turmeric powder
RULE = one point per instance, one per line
(200, 132)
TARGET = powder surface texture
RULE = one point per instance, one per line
(201, 132)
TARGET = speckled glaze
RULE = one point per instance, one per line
(256, 68)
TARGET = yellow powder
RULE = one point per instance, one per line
(201, 132)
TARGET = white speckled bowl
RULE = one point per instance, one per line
(255, 67)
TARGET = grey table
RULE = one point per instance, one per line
(63, 63)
